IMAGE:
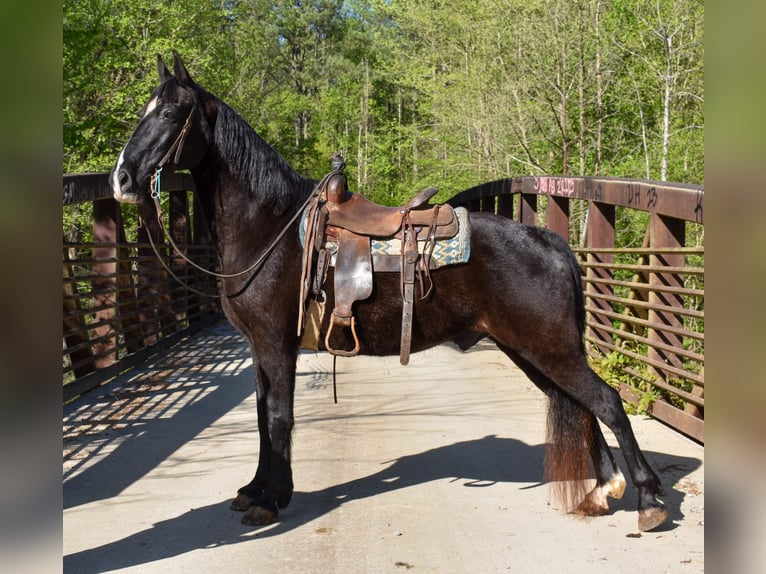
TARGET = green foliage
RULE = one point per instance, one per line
(618, 369)
(110, 50)
(413, 94)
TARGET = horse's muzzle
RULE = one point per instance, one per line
(122, 185)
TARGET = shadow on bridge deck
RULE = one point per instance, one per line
(435, 466)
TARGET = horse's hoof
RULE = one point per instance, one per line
(595, 503)
(259, 516)
(284, 500)
(241, 503)
(591, 507)
(651, 518)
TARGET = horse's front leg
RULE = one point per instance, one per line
(272, 485)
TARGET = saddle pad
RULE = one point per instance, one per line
(446, 251)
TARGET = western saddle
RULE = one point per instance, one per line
(339, 228)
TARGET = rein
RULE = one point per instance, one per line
(154, 185)
(254, 267)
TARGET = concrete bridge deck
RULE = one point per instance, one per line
(435, 467)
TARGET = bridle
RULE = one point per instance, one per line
(154, 186)
(177, 147)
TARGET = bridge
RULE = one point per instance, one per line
(435, 467)
(644, 295)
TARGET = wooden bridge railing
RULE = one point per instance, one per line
(644, 303)
(119, 303)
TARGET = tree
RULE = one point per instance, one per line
(664, 60)
(440, 93)
(109, 50)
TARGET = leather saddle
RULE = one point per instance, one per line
(340, 226)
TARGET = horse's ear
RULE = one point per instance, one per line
(180, 70)
(162, 69)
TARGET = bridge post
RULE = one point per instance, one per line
(557, 216)
(180, 230)
(600, 234)
(665, 232)
(505, 205)
(201, 238)
(153, 289)
(107, 222)
(488, 204)
(528, 208)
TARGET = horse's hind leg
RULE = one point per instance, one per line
(609, 480)
(585, 386)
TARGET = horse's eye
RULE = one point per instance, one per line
(166, 114)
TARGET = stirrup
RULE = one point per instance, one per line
(339, 352)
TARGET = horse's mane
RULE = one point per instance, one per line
(257, 166)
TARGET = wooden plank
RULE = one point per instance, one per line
(86, 187)
(676, 418)
(76, 334)
(677, 200)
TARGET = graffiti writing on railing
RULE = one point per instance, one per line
(564, 186)
(633, 196)
(633, 193)
(698, 207)
(651, 197)
(597, 193)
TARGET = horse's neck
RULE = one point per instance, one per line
(257, 167)
(247, 189)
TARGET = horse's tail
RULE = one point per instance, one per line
(568, 448)
(574, 267)
(570, 426)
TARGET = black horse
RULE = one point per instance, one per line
(521, 288)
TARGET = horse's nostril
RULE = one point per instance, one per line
(124, 180)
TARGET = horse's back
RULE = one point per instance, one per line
(518, 278)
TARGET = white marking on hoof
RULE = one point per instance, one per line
(616, 486)
(595, 503)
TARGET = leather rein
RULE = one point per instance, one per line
(154, 185)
